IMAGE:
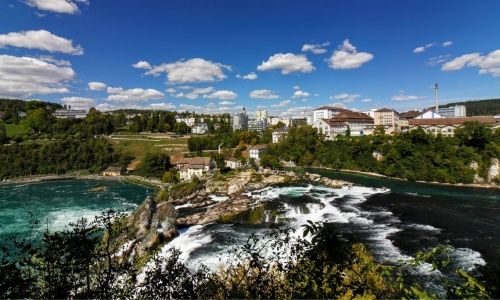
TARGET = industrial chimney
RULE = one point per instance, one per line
(436, 97)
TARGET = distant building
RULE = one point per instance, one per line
(447, 126)
(273, 121)
(298, 121)
(405, 116)
(280, 134)
(389, 118)
(194, 166)
(200, 128)
(233, 163)
(326, 112)
(261, 114)
(456, 111)
(239, 121)
(112, 171)
(70, 114)
(258, 125)
(429, 114)
(370, 112)
(310, 120)
(21, 114)
(354, 123)
(190, 121)
(257, 151)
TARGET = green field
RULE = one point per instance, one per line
(138, 144)
(16, 129)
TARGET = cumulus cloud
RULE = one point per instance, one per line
(347, 57)
(447, 44)
(118, 94)
(315, 48)
(226, 103)
(287, 63)
(161, 106)
(78, 102)
(57, 6)
(425, 47)
(41, 40)
(300, 94)
(97, 86)
(263, 94)
(282, 103)
(345, 97)
(190, 71)
(249, 76)
(366, 100)
(193, 94)
(487, 64)
(222, 95)
(25, 76)
(142, 65)
(152, 106)
(404, 97)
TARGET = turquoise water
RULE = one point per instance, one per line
(55, 204)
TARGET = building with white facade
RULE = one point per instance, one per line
(280, 134)
(456, 111)
(194, 166)
(326, 112)
(239, 121)
(200, 128)
(346, 122)
(190, 121)
(70, 114)
(429, 114)
(258, 125)
(257, 150)
(233, 163)
(447, 126)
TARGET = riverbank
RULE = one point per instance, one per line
(466, 185)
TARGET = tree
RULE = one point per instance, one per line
(379, 130)
(220, 161)
(38, 120)
(3, 134)
(474, 134)
(170, 177)
(155, 164)
(181, 128)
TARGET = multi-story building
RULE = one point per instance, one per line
(200, 128)
(70, 114)
(326, 112)
(190, 121)
(298, 121)
(273, 121)
(389, 118)
(280, 134)
(347, 122)
(258, 125)
(257, 150)
(405, 116)
(456, 111)
(261, 114)
(194, 166)
(447, 126)
(239, 121)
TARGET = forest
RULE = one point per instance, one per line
(489, 107)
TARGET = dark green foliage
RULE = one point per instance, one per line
(3, 134)
(488, 107)
(181, 128)
(154, 164)
(55, 157)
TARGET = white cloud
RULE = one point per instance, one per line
(25, 76)
(315, 48)
(142, 65)
(419, 50)
(487, 64)
(161, 106)
(436, 60)
(39, 39)
(152, 106)
(447, 44)
(403, 97)
(57, 6)
(300, 94)
(347, 57)
(249, 76)
(287, 63)
(296, 87)
(282, 103)
(78, 102)
(366, 100)
(222, 95)
(263, 94)
(226, 103)
(345, 97)
(97, 86)
(119, 94)
(191, 70)
(193, 94)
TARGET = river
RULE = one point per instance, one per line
(26, 210)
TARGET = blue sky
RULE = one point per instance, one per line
(197, 55)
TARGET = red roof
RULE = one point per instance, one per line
(453, 121)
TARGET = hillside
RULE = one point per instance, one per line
(489, 107)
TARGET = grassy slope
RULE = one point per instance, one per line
(16, 129)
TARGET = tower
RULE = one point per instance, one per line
(436, 97)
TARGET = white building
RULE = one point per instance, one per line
(280, 134)
(70, 114)
(258, 125)
(200, 128)
(430, 114)
(447, 126)
(273, 121)
(326, 112)
(233, 163)
(257, 151)
(190, 121)
(194, 166)
(261, 114)
(347, 122)
(456, 111)
(389, 118)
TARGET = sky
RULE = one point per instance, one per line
(285, 56)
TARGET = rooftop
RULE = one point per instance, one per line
(335, 108)
(412, 114)
(454, 121)
(259, 147)
(386, 110)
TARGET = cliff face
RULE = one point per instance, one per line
(492, 175)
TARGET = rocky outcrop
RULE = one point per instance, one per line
(494, 170)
